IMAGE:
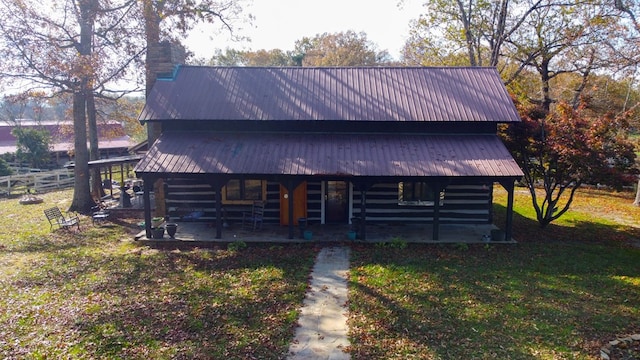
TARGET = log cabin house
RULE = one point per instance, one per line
(410, 145)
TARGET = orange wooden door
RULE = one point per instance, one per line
(299, 204)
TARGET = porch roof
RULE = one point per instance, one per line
(342, 155)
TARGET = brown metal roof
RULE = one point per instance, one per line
(186, 153)
(354, 93)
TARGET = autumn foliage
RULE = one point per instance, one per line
(562, 150)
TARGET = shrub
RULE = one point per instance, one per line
(4, 168)
(236, 245)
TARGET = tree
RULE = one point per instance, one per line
(561, 151)
(340, 49)
(232, 57)
(5, 170)
(549, 37)
(472, 31)
(555, 41)
(73, 47)
(32, 146)
(81, 47)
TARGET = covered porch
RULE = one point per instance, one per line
(363, 160)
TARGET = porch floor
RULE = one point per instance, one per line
(198, 232)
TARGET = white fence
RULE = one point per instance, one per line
(39, 181)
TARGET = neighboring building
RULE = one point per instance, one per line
(112, 140)
(376, 144)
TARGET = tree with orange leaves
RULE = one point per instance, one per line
(562, 150)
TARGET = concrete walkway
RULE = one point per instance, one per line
(322, 331)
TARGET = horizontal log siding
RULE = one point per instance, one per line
(314, 202)
(462, 204)
(186, 195)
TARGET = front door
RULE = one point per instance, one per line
(299, 204)
(337, 202)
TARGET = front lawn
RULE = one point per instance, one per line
(97, 294)
(560, 293)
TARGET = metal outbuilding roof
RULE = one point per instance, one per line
(186, 153)
(353, 94)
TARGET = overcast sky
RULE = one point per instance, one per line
(279, 23)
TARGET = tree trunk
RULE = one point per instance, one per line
(82, 201)
(637, 201)
(469, 36)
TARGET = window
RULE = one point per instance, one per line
(417, 193)
(243, 191)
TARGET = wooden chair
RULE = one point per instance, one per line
(253, 220)
(55, 217)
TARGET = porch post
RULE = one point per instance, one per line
(363, 214)
(147, 205)
(508, 231)
(436, 212)
(363, 186)
(110, 181)
(218, 191)
(217, 184)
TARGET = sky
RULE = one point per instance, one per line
(278, 24)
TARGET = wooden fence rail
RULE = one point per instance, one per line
(39, 181)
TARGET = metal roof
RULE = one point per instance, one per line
(336, 93)
(115, 161)
(187, 153)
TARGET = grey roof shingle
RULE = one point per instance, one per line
(354, 94)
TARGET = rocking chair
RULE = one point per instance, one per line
(253, 220)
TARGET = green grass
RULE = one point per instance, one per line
(561, 293)
(97, 294)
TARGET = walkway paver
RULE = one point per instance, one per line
(322, 331)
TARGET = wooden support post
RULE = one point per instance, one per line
(363, 214)
(217, 184)
(436, 212)
(147, 207)
(363, 186)
(110, 182)
(508, 185)
(508, 231)
(218, 191)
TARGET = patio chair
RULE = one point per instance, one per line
(55, 217)
(253, 220)
(99, 214)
